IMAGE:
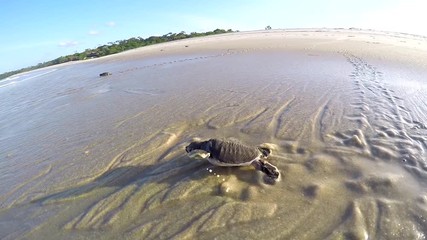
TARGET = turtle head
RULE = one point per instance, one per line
(198, 149)
(198, 145)
(264, 151)
(193, 146)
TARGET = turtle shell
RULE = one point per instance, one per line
(232, 153)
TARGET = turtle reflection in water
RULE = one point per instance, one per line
(232, 153)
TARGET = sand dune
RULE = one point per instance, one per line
(345, 111)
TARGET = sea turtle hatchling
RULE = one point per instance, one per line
(232, 153)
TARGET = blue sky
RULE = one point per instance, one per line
(38, 31)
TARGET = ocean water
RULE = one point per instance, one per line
(83, 156)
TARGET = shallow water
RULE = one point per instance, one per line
(90, 157)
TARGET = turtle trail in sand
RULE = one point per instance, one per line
(228, 153)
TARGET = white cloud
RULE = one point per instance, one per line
(93, 32)
(408, 16)
(111, 24)
(68, 43)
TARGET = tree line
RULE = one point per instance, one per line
(116, 47)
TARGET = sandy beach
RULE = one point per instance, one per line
(345, 111)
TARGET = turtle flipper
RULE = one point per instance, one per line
(269, 169)
(199, 154)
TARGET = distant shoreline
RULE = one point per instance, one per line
(173, 37)
(114, 48)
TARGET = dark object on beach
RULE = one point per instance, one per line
(233, 153)
(104, 74)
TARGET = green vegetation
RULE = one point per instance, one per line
(116, 47)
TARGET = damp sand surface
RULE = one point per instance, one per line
(89, 157)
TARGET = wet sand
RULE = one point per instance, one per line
(89, 157)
